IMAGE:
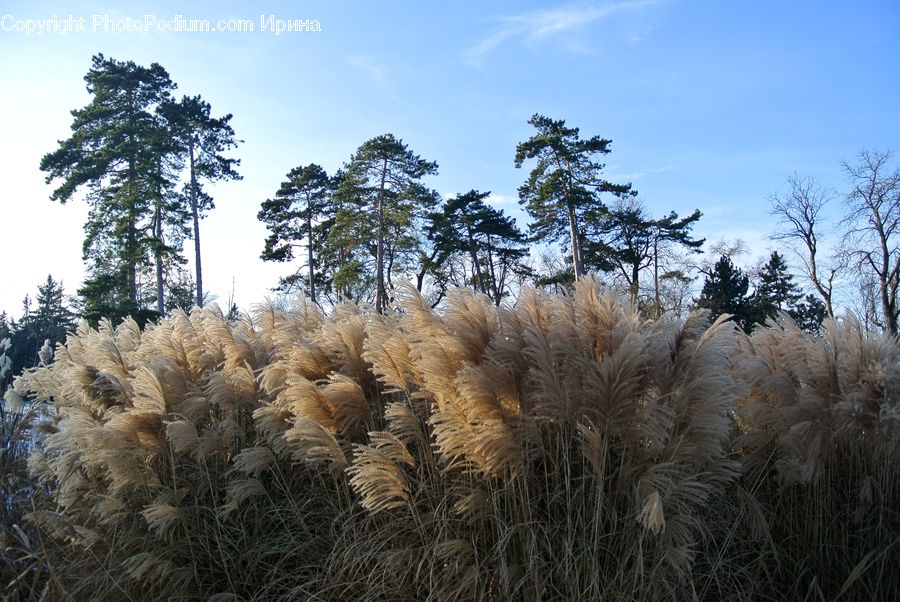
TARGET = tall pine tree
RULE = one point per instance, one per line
(564, 187)
(201, 140)
(294, 218)
(383, 180)
(111, 156)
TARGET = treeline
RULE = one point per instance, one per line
(143, 160)
(375, 222)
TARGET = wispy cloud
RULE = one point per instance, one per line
(555, 24)
(376, 71)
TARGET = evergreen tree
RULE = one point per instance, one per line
(775, 288)
(490, 240)
(777, 292)
(809, 313)
(347, 256)
(294, 218)
(48, 319)
(725, 291)
(383, 181)
(563, 189)
(628, 240)
(112, 154)
(201, 140)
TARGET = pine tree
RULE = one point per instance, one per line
(294, 218)
(201, 140)
(775, 288)
(491, 242)
(383, 181)
(777, 292)
(563, 189)
(112, 155)
(48, 319)
(628, 240)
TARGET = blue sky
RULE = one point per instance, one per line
(709, 104)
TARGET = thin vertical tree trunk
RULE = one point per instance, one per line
(473, 251)
(309, 244)
(158, 231)
(576, 244)
(195, 210)
(379, 253)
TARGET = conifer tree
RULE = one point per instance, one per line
(111, 155)
(490, 240)
(776, 292)
(201, 140)
(294, 218)
(383, 181)
(564, 187)
(725, 291)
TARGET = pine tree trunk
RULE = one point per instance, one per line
(473, 251)
(309, 240)
(158, 231)
(379, 253)
(576, 243)
(195, 210)
(131, 241)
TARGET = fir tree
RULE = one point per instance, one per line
(725, 291)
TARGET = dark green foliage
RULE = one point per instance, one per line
(114, 155)
(48, 319)
(628, 241)
(725, 291)
(775, 288)
(563, 189)
(200, 139)
(490, 242)
(809, 313)
(777, 292)
(381, 190)
(299, 215)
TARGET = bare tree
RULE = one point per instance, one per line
(872, 223)
(800, 211)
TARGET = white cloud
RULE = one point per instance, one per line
(376, 71)
(502, 199)
(555, 24)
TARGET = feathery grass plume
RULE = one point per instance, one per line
(561, 448)
(161, 517)
(403, 424)
(343, 340)
(387, 350)
(350, 407)
(814, 418)
(375, 476)
(309, 441)
(252, 461)
(819, 395)
(304, 399)
(238, 492)
(183, 436)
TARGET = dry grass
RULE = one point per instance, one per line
(559, 449)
